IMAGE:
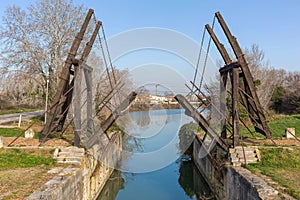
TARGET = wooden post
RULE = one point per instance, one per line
(235, 106)
(77, 108)
(89, 98)
(20, 120)
(247, 74)
(65, 76)
(223, 93)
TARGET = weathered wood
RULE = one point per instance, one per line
(219, 45)
(65, 76)
(223, 92)
(229, 67)
(235, 106)
(114, 115)
(60, 110)
(245, 69)
(192, 112)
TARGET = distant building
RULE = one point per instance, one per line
(154, 99)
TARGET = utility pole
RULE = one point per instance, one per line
(156, 85)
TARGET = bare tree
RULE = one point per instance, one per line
(35, 43)
(265, 78)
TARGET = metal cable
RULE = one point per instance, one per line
(198, 59)
(108, 54)
(206, 56)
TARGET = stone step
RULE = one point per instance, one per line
(249, 160)
(242, 157)
(245, 148)
(71, 154)
(238, 164)
(246, 151)
(72, 149)
(247, 156)
(242, 153)
(70, 162)
(69, 159)
(234, 160)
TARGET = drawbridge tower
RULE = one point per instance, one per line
(242, 93)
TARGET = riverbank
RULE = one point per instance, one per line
(144, 107)
(280, 167)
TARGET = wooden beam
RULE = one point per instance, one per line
(245, 69)
(229, 67)
(65, 75)
(235, 106)
(219, 45)
(223, 103)
(114, 115)
(192, 112)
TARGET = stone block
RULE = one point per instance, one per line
(289, 133)
(29, 133)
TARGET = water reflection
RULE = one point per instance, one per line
(192, 181)
(177, 177)
(112, 186)
(181, 180)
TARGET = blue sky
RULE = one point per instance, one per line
(272, 25)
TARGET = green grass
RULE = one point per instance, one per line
(277, 127)
(11, 132)
(14, 158)
(18, 110)
(283, 166)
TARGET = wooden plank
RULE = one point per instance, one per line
(228, 67)
(114, 116)
(219, 45)
(235, 106)
(223, 103)
(192, 112)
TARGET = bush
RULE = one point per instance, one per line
(186, 137)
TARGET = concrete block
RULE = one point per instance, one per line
(70, 154)
(72, 149)
(289, 133)
(29, 133)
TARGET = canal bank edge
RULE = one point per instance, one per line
(86, 181)
(231, 182)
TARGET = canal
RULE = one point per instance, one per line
(155, 168)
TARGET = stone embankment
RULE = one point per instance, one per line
(230, 181)
(89, 171)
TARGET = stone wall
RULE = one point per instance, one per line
(228, 182)
(86, 181)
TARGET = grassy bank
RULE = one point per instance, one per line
(11, 132)
(290, 121)
(283, 166)
(277, 127)
(15, 158)
(24, 171)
